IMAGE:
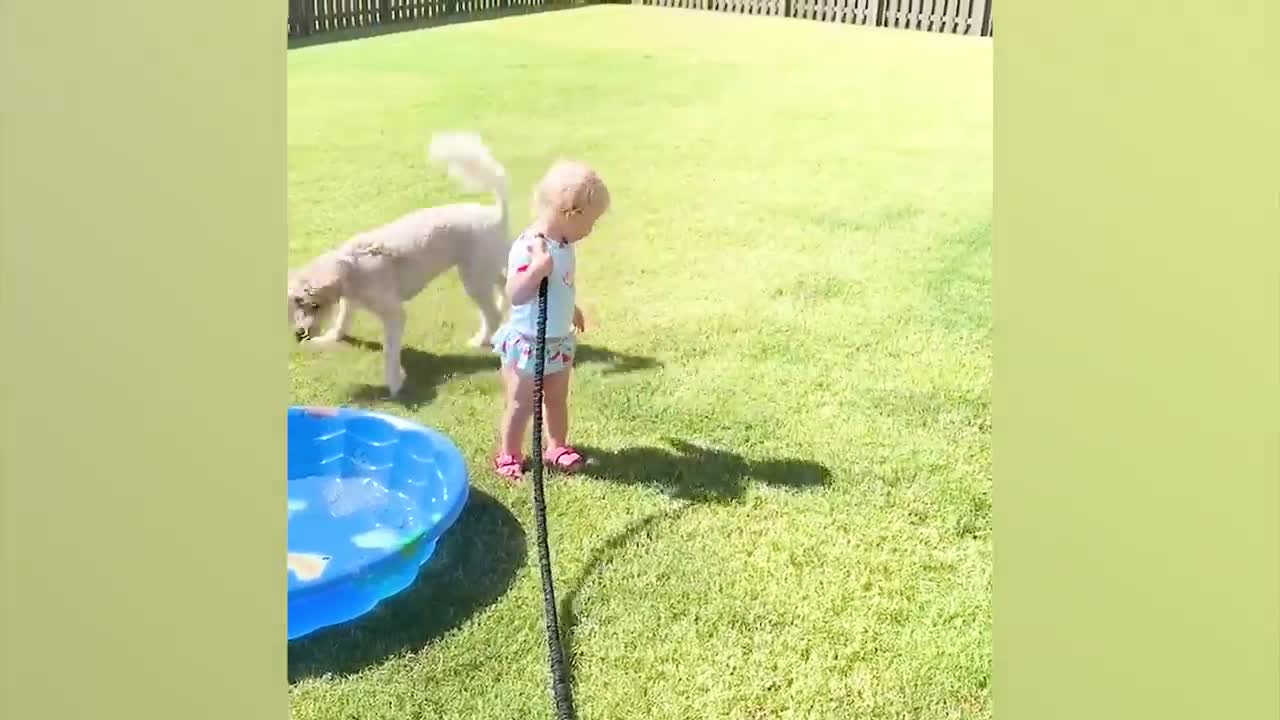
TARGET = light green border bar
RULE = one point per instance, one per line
(143, 347)
(1136, 395)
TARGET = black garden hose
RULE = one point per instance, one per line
(560, 689)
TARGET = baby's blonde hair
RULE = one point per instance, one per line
(570, 188)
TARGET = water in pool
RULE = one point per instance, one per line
(337, 524)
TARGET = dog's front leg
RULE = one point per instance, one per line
(392, 332)
(341, 325)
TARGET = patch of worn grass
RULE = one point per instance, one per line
(786, 377)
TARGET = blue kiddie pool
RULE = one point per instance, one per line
(369, 496)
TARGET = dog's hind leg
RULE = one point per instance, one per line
(392, 335)
(500, 288)
(480, 287)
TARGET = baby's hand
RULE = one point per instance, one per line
(579, 323)
(539, 258)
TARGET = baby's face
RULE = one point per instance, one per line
(577, 227)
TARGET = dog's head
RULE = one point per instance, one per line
(313, 292)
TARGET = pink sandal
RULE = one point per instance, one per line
(509, 467)
(565, 459)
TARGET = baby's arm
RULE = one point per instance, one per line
(526, 269)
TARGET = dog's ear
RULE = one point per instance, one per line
(343, 265)
(329, 275)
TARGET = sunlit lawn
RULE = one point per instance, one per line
(786, 378)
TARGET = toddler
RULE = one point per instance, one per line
(568, 201)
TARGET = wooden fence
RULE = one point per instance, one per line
(962, 17)
(307, 17)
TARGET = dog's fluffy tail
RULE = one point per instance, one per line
(469, 162)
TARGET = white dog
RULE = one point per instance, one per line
(383, 268)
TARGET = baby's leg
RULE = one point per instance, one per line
(555, 410)
(516, 414)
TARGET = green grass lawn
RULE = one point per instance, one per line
(786, 377)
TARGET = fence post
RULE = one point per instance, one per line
(307, 17)
(384, 12)
(986, 19)
(879, 19)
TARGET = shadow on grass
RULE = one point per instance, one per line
(452, 18)
(602, 555)
(700, 474)
(426, 372)
(687, 472)
(473, 566)
(615, 363)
